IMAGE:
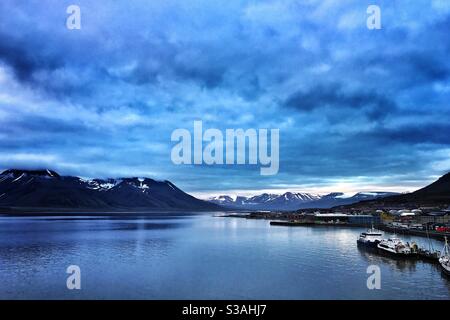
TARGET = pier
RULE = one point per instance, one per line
(291, 223)
(414, 232)
(338, 220)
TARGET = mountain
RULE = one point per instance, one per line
(339, 199)
(46, 189)
(435, 194)
(437, 191)
(291, 201)
(265, 201)
(294, 200)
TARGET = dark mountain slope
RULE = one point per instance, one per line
(435, 194)
(47, 189)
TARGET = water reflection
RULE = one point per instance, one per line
(199, 257)
(372, 256)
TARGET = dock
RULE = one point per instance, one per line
(295, 223)
(421, 233)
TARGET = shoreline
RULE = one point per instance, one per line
(310, 223)
(107, 210)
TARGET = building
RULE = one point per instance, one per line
(363, 220)
(366, 219)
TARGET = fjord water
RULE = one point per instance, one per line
(199, 256)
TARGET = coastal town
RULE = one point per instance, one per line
(424, 221)
(429, 222)
(424, 212)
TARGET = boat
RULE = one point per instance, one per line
(444, 260)
(394, 247)
(371, 238)
(429, 254)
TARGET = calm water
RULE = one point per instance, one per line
(199, 257)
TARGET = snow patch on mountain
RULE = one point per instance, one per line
(294, 200)
(19, 177)
(101, 185)
(47, 189)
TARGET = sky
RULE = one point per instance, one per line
(357, 109)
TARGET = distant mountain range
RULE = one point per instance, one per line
(435, 194)
(46, 189)
(295, 200)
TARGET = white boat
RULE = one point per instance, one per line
(444, 260)
(394, 246)
(371, 238)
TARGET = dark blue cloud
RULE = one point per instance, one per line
(349, 102)
(333, 96)
(25, 58)
(418, 133)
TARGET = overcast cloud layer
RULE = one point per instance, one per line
(356, 108)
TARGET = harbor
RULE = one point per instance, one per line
(372, 240)
(384, 227)
(396, 248)
(402, 222)
(392, 247)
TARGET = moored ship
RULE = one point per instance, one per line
(371, 238)
(394, 247)
(444, 260)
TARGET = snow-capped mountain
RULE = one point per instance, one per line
(294, 200)
(290, 200)
(47, 189)
(266, 201)
(223, 200)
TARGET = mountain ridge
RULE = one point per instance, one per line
(47, 189)
(436, 193)
(294, 200)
